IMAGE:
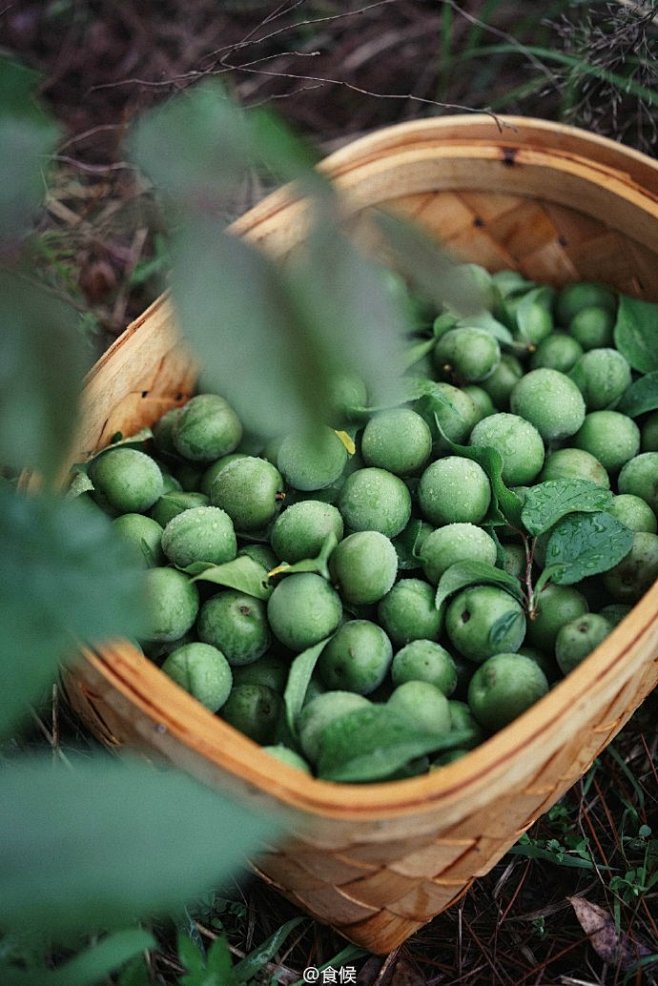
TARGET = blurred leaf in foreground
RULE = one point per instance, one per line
(27, 137)
(100, 842)
(239, 317)
(64, 577)
(428, 267)
(198, 146)
(41, 370)
(273, 337)
(88, 967)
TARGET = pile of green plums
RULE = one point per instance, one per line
(383, 493)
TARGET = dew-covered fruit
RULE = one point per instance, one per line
(639, 476)
(129, 480)
(516, 440)
(574, 463)
(635, 574)
(425, 660)
(356, 659)
(250, 490)
(202, 534)
(468, 355)
(451, 412)
(301, 529)
(504, 687)
(634, 512)
(236, 624)
(593, 327)
(559, 351)
(609, 436)
(363, 567)
(312, 460)
(303, 609)
(452, 543)
(483, 620)
(602, 376)
(407, 612)
(573, 297)
(254, 710)
(201, 670)
(502, 381)
(556, 605)
(287, 756)
(144, 534)
(454, 490)
(550, 401)
(374, 499)
(174, 502)
(206, 429)
(397, 439)
(319, 712)
(173, 603)
(424, 706)
(577, 639)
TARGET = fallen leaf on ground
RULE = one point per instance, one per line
(613, 947)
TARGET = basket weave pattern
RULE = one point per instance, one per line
(378, 861)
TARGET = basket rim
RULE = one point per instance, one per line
(162, 701)
(636, 173)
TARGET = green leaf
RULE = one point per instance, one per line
(486, 321)
(266, 361)
(27, 137)
(358, 327)
(252, 964)
(465, 573)
(65, 577)
(99, 841)
(525, 310)
(371, 743)
(503, 626)
(319, 564)
(286, 154)
(213, 969)
(41, 370)
(428, 267)
(192, 958)
(139, 440)
(548, 502)
(135, 974)
(585, 544)
(641, 396)
(299, 676)
(197, 147)
(90, 966)
(406, 545)
(417, 352)
(533, 851)
(636, 333)
(242, 573)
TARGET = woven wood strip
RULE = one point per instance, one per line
(426, 899)
(334, 905)
(433, 859)
(381, 888)
(333, 868)
(382, 931)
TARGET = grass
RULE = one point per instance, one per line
(100, 245)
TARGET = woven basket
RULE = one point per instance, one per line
(378, 861)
